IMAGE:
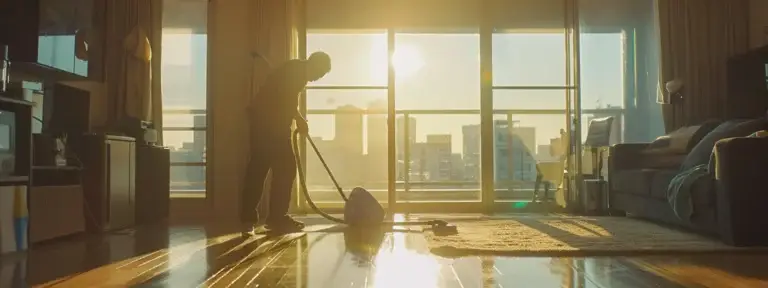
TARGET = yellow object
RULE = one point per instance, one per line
(760, 134)
(20, 202)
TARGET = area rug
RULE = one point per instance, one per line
(570, 236)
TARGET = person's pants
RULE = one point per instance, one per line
(268, 151)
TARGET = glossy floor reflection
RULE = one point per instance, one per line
(210, 257)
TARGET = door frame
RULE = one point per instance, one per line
(487, 202)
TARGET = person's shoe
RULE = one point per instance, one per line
(284, 224)
(247, 229)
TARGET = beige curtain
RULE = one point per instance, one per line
(133, 57)
(274, 30)
(697, 37)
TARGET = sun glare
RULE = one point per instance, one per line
(406, 60)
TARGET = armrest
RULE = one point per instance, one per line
(625, 156)
(741, 193)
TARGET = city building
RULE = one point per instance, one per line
(349, 129)
(402, 139)
(471, 151)
(457, 167)
(544, 154)
(376, 158)
(401, 131)
(513, 160)
(438, 157)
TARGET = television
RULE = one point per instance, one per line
(54, 39)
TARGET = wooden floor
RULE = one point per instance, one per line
(162, 256)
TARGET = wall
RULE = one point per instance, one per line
(236, 28)
(758, 23)
(227, 91)
(505, 14)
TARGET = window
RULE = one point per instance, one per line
(620, 68)
(529, 59)
(766, 75)
(529, 100)
(437, 92)
(437, 89)
(347, 112)
(359, 57)
(184, 65)
(603, 81)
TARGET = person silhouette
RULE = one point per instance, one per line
(273, 110)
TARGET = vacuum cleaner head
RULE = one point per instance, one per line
(362, 209)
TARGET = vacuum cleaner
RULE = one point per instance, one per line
(361, 210)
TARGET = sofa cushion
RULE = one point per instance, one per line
(673, 143)
(681, 141)
(734, 128)
(660, 181)
(661, 160)
(636, 182)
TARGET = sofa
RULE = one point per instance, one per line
(712, 181)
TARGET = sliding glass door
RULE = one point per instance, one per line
(484, 113)
(347, 114)
(531, 96)
(437, 107)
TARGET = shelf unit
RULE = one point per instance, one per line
(14, 199)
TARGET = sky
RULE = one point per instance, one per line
(434, 72)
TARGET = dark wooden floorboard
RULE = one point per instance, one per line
(161, 256)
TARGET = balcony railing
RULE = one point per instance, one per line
(445, 190)
(406, 184)
(193, 182)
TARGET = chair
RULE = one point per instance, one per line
(598, 138)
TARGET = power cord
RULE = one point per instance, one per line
(88, 211)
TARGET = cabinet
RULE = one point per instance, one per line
(55, 203)
(153, 165)
(14, 173)
(109, 165)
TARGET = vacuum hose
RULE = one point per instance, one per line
(436, 224)
(303, 179)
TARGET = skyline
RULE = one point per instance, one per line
(443, 74)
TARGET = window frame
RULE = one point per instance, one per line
(206, 153)
(487, 111)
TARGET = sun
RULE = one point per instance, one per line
(406, 61)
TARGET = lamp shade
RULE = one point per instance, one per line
(674, 86)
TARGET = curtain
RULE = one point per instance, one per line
(697, 38)
(274, 40)
(133, 57)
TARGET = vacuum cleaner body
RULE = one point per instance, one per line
(362, 209)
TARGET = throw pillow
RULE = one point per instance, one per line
(673, 143)
(700, 153)
(704, 129)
